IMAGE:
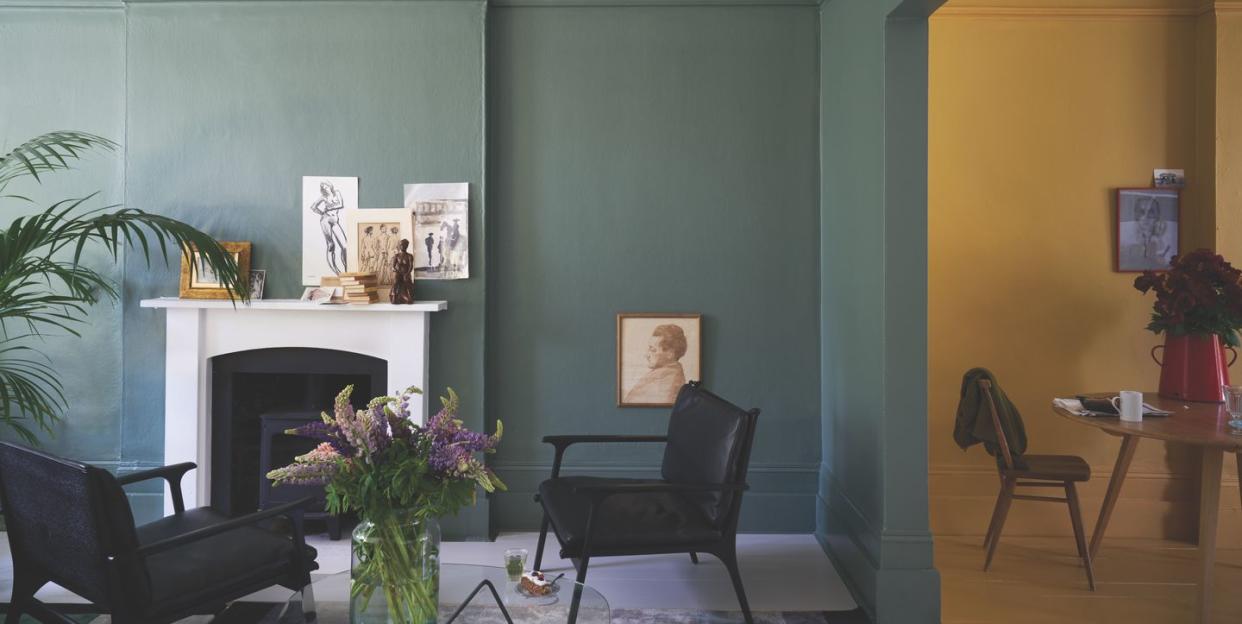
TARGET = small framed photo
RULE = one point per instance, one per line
(1147, 228)
(323, 295)
(199, 281)
(1168, 178)
(258, 279)
(657, 354)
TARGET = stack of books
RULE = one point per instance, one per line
(360, 288)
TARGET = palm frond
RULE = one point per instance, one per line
(44, 285)
(48, 152)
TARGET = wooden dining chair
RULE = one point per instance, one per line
(1037, 471)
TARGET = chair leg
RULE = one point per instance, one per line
(543, 538)
(694, 558)
(1006, 498)
(24, 587)
(581, 564)
(1080, 536)
(730, 560)
(1000, 495)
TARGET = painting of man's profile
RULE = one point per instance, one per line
(656, 355)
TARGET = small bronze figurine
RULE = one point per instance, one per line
(402, 265)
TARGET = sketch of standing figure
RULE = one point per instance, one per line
(328, 207)
(430, 242)
(367, 249)
(451, 235)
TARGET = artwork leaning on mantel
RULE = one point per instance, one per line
(657, 353)
(199, 281)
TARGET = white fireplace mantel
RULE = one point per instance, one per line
(198, 330)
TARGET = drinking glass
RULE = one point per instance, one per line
(515, 563)
(1233, 404)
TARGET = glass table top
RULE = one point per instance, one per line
(330, 597)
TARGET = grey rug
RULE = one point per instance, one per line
(259, 613)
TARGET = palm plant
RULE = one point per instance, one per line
(44, 287)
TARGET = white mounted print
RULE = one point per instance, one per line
(325, 243)
(441, 216)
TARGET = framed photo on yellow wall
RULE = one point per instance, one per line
(1148, 228)
(198, 281)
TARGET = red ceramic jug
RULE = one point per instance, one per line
(1193, 367)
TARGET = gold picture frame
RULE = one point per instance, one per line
(197, 283)
(657, 353)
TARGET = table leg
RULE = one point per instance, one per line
(1209, 509)
(1124, 456)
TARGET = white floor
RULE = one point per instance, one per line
(781, 573)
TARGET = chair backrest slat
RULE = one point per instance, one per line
(69, 521)
(985, 387)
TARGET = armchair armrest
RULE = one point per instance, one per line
(562, 442)
(292, 510)
(171, 473)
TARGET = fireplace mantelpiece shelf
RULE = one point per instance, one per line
(198, 330)
(292, 304)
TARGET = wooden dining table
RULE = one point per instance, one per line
(1203, 426)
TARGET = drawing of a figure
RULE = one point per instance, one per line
(385, 245)
(367, 250)
(1152, 230)
(1150, 243)
(665, 349)
(328, 207)
(430, 242)
(454, 258)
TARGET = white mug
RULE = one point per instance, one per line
(1129, 404)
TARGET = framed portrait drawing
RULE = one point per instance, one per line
(374, 234)
(657, 354)
(198, 281)
(1148, 232)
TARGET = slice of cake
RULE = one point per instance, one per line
(535, 584)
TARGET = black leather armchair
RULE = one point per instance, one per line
(692, 509)
(70, 524)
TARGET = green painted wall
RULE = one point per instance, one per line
(231, 103)
(66, 69)
(653, 159)
(872, 513)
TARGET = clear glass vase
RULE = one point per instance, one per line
(395, 571)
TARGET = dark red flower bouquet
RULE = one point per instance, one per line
(1200, 294)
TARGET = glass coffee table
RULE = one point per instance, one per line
(465, 597)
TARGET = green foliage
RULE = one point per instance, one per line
(44, 287)
(400, 480)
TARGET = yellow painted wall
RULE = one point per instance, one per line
(1034, 121)
(1228, 35)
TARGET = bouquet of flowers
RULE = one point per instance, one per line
(1200, 294)
(399, 477)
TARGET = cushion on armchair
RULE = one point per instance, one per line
(235, 557)
(624, 520)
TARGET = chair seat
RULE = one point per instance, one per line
(1053, 468)
(234, 558)
(639, 520)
